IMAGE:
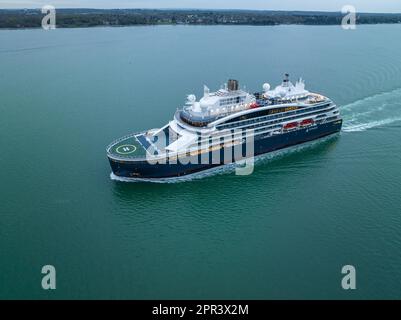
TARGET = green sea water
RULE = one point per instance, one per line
(283, 232)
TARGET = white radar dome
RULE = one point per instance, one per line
(191, 98)
(266, 87)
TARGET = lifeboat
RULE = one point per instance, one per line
(291, 125)
(307, 122)
(254, 105)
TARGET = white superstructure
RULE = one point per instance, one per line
(209, 116)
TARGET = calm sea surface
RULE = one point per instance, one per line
(283, 232)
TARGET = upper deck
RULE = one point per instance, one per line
(204, 119)
(231, 100)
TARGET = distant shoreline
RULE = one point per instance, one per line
(86, 18)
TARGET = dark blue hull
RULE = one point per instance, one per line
(143, 169)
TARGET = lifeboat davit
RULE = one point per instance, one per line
(307, 122)
(291, 125)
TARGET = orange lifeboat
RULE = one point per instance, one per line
(307, 122)
(291, 125)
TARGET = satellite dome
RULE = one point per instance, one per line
(191, 98)
(266, 87)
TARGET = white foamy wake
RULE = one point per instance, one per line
(375, 111)
(229, 168)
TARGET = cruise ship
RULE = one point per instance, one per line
(224, 127)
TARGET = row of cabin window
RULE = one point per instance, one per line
(229, 101)
(275, 116)
(272, 127)
(268, 123)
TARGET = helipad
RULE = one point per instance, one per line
(126, 149)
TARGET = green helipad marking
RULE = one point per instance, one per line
(126, 149)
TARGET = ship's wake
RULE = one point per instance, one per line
(230, 168)
(375, 111)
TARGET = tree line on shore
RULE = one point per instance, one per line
(73, 18)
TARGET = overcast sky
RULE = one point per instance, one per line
(313, 5)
